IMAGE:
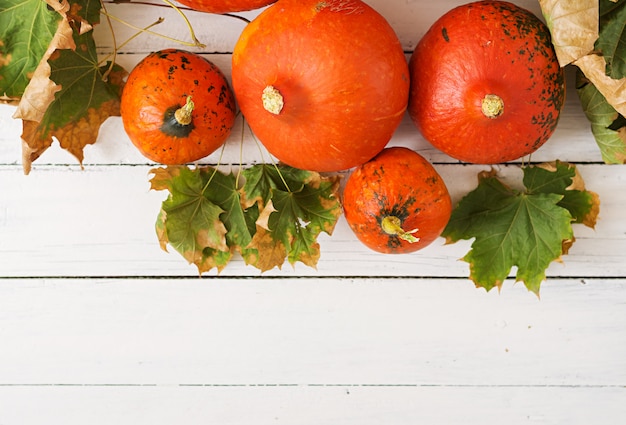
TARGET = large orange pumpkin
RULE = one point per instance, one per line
(397, 202)
(486, 83)
(322, 84)
(225, 6)
(177, 107)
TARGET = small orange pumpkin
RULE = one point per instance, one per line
(225, 6)
(486, 85)
(177, 107)
(397, 202)
(322, 84)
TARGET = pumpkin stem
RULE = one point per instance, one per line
(183, 114)
(392, 225)
(492, 106)
(273, 101)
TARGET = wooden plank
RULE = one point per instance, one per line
(304, 405)
(320, 332)
(60, 221)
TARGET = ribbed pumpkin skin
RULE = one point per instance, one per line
(487, 47)
(225, 6)
(341, 71)
(162, 81)
(397, 182)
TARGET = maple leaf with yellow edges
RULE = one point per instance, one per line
(525, 229)
(274, 214)
(70, 93)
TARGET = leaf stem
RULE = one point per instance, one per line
(137, 34)
(141, 30)
(243, 127)
(282, 178)
(105, 76)
(197, 42)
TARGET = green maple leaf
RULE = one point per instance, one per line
(559, 179)
(303, 204)
(207, 216)
(190, 219)
(26, 30)
(261, 179)
(524, 229)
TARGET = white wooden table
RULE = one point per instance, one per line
(98, 325)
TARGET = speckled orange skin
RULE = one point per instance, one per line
(488, 47)
(162, 81)
(397, 182)
(341, 71)
(225, 6)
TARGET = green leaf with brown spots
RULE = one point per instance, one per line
(275, 215)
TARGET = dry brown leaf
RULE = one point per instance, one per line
(264, 216)
(270, 253)
(594, 68)
(574, 27)
(40, 91)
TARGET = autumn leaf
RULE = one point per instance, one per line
(525, 229)
(267, 214)
(573, 25)
(610, 138)
(190, 220)
(27, 28)
(606, 68)
(590, 34)
(70, 94)
(601, 83)
(303, 204)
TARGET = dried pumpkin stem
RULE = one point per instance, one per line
(183, 114)
(392, 225)
(492, 106)
(273, 101)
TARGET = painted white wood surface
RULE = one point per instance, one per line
(310, 351)
(98, 325)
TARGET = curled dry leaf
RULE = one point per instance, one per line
(614, 90)
(574, 27)
(40, 91)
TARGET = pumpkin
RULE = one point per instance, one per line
(177, 107)
(396, 202)
(322, 84)
(486, 86)
(225, 6)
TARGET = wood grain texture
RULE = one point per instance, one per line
(100, 326)
(414, 332)
(345, 351)
(100, 222)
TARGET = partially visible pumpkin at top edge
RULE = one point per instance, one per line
(486, 85)
(225, 6)
(397, 202)
(177, 107)
(322, 84)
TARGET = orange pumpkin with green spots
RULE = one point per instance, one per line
(397, 202)
(177, 107)
(486, 86)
